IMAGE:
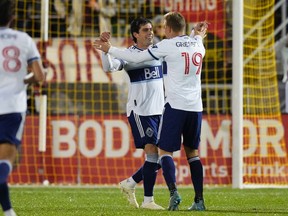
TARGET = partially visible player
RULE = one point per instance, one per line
(144, 108)
(182, 116)
(158, 27)
(17, 53)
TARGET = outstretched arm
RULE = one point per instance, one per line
(122, 54)
(129, 56)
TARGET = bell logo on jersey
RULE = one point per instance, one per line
(151, 74)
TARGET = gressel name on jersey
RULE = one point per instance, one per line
(186, 44)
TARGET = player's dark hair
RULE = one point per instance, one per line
(7, 9)
(175, 21)
(136, 25)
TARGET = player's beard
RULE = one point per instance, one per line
(149, 41)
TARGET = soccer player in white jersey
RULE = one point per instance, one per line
(182, 114)
(144, 108)
(17, 52)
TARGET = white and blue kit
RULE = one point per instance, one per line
(17, 49)
(145, 98)
(183, 106)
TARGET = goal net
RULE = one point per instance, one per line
(88, 138)
(265, 147)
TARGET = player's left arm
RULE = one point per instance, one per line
(35, 66)
(36, 73)
(29, 78)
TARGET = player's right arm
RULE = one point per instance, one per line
(131, 57)
(126, 54)
(109, 63)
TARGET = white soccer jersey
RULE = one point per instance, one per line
(146, 94)
(183, 55)
(16, 50)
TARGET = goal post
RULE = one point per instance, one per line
(237, 99)
(43, 96)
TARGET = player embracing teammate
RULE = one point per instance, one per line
(182, 115)
(144, 108)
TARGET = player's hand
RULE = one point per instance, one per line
(105, 36)
(201, 26)
(101, 45)
(29, 78)
(201, 29)
(94, 5)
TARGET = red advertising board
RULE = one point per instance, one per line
(212, 11)
(94, 150)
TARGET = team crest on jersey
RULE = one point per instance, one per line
(149, 132)
(154, 46)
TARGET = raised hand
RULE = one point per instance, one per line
(105, 36)
(201, 26)
(102, 45)
(201, 29)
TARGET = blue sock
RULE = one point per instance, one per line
(169, 172)
(149, 177)
(5, 168)
(138, 175)
(196, 170)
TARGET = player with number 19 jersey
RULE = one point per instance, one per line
(17, 49)
(183, 80)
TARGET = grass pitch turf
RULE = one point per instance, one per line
(102, 201)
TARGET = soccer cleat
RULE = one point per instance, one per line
(174, 202)
(10, 212)
(129, 193)
(151, 205)
(199, 206)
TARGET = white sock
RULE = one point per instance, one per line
(131, 183)
(148, 199)
(10, 212)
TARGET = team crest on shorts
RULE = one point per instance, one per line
(149, 132)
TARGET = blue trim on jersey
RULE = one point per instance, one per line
(164, 66)
(135, 47)
(32, 59)
(152, 55)
(122, 63)
(145, 74)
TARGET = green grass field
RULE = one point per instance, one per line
(56, 201)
